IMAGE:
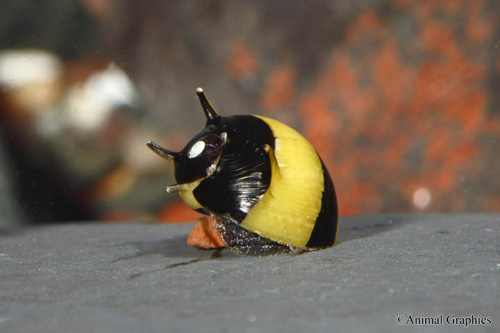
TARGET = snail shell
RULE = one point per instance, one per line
(262, 181)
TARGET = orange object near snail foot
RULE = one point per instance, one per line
(205, 235)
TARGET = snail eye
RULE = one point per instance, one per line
(196, 149)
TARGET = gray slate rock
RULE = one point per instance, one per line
(142, 277)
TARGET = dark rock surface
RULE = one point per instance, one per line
(141, 277)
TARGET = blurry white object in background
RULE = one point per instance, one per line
(422, 198)
(89, 105)
(31, 78)
(20, 67)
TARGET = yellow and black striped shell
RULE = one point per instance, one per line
(262, 181)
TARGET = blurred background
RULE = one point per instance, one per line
(401, 99)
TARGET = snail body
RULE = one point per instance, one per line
(262, 181)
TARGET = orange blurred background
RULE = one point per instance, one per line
(400, 98)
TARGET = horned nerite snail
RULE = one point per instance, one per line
(261, 181)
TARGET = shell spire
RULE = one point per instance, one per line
(209, 110)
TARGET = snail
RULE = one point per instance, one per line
(262, 182)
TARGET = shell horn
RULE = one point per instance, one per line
(166, 154)
(210, 112)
